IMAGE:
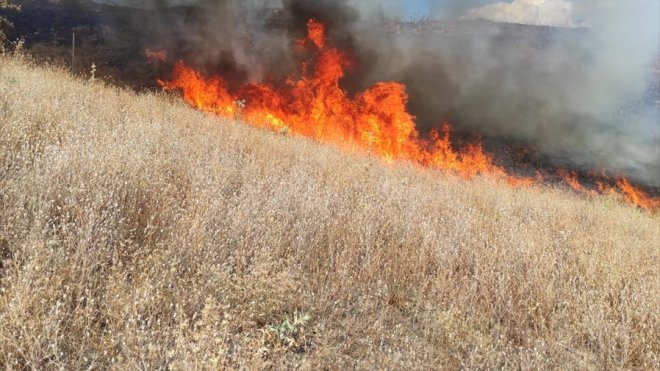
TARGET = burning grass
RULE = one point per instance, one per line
(136, 232)
(376, 120)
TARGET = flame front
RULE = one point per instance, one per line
(375, 120)
(315, 106)
(636, 196)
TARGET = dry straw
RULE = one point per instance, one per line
(137, 233)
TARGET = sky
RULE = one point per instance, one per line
(563, 13)
(453, 8)
(440, 8)
(416, 8)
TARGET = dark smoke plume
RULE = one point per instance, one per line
(587, 97)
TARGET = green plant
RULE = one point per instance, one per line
(4, 22)
(290, 333)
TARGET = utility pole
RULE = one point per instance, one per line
(73, 53)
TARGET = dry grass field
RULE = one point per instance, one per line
(138, 233)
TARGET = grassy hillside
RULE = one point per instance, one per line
(136, 232)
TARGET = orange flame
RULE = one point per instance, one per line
(571, 179)
(636, 196)
(315, 106)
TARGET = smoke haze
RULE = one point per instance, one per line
(588, 96)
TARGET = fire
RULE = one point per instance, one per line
(636, 196)
(315, 106)
(571, 179)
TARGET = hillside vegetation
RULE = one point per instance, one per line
(137, 233)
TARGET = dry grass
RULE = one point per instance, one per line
(138, 233)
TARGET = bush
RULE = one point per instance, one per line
(4, 22)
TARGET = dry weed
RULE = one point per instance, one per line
(138, 233)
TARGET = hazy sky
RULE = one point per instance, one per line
(540, 12)
(449, 8)
(417, 7)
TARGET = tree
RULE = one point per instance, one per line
(4, 22)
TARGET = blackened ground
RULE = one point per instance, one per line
(106, 36)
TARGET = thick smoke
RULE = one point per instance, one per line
(581, 95)
(226, 37)
(586, 96)
(249, 41)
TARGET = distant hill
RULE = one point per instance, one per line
(146, 4)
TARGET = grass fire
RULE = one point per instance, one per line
(375, 120)
(329, 184)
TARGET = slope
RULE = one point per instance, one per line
(136, 232)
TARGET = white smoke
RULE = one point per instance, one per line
(585, 94)
(556, 13)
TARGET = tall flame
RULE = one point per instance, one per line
(375, 120)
